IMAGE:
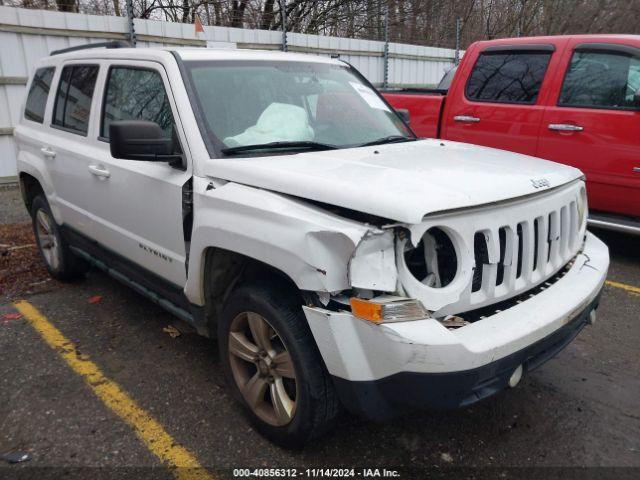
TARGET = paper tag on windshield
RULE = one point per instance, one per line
(369, 96)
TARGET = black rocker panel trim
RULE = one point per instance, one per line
(162, 292)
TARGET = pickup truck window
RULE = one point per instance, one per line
(135, 94)
(73, 99)
(259, 102)
(601, 80)
(38, 94)
(507, 77)
(447, 78)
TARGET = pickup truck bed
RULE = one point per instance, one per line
(425, 107)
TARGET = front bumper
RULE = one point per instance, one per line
(382, 370)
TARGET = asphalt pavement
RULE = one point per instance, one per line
(581, 409)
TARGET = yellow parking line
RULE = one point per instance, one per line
(157, 440)
(623, 286)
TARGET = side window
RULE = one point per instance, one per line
(135, 94)
(600, 80)
(38, 94)
(507, 77)
(73, 99)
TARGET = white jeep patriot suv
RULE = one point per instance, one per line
(277, 203)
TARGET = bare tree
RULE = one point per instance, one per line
(421, 22)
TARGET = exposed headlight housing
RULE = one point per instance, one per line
(388, 308)
(435, 268)
(434, 261)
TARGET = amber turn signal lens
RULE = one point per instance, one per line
(387, 308)
(366, 310)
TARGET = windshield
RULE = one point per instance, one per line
(244, 103)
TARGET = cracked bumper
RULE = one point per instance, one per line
(381, 370)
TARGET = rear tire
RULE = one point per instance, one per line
(273, 365)
(60, 261)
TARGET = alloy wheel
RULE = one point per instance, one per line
(47, 239)
(262, 369)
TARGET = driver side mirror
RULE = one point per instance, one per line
(403, 113)
(141, 140)
(636, 99)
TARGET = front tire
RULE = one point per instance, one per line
(274, 367)
(60, 261)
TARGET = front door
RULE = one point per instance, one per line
(137, 205)
(594, 124)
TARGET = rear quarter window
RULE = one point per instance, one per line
(38, 94)
(507, 77)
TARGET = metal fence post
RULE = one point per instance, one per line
(458, 29)
(385, 81)
(132, 31)
(283, 14)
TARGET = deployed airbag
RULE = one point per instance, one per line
(280, 122)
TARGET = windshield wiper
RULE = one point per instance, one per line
(389, 139)
(279, 145)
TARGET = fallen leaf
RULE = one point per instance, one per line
(446, 457)
(172, 331)
(20, 266)
(12, 316)
(95, 299)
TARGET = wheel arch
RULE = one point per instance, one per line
(225, 270)
(30, 188)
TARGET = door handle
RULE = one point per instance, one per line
(466, 119)
(636, 169)
(565, 127)
(99, 171)
(48, 152)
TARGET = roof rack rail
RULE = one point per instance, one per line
(114, 44)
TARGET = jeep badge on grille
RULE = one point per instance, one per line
(540, 182)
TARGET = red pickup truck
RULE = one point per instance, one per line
(571, 99)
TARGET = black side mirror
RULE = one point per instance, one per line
(403, 113)
(140, 140)
(636, 99)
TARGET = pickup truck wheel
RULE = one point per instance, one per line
(274, 367)
(60, 261)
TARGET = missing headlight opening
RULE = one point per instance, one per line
(433, 261)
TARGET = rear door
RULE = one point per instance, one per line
(499, 106)
(137, 206)
(65, 146)
(594, 125)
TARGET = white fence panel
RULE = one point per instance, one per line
(27, 35)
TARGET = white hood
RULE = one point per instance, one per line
(402, 182)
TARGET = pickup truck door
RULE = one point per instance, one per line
(593, 123)
(137, 205)
(498, 106)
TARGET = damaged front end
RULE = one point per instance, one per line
(451, 266)
(448, 336)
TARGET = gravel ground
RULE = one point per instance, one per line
(13, 210)
(581, 409)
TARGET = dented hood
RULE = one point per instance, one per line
(402, 182)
